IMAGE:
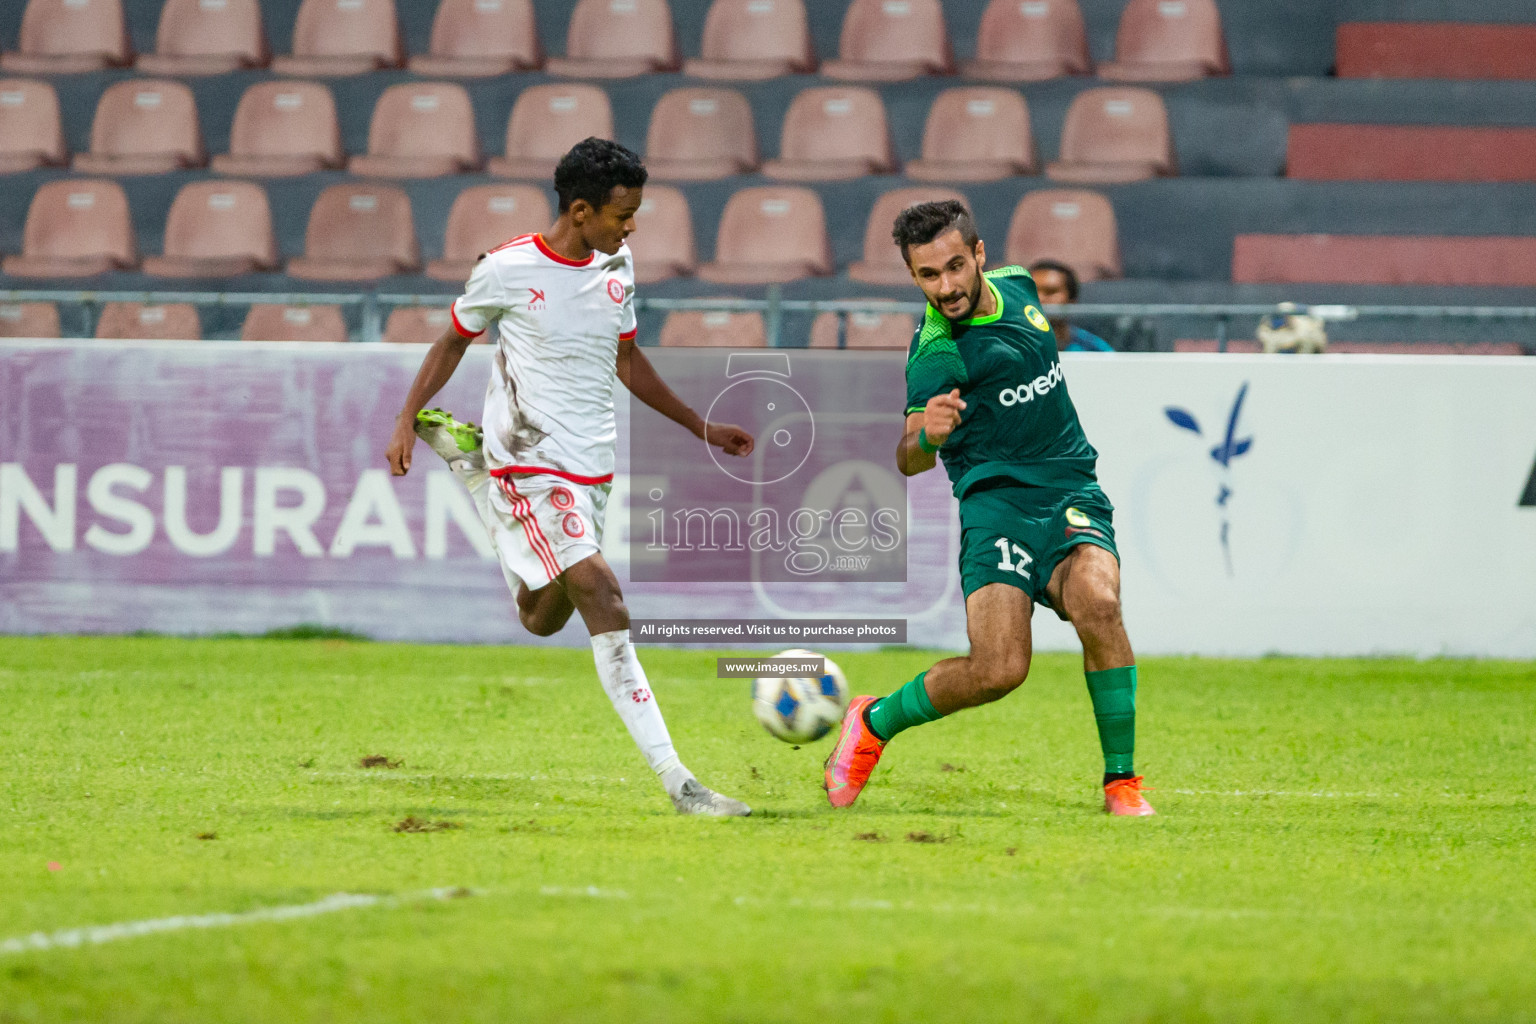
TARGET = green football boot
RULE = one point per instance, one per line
(457, 443)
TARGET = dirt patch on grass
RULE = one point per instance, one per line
(207, 835)
(947, 767)
(869, 837)
(415, 824)
(379, 761)
(926, 837)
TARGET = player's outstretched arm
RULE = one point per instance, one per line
(640, 377)
(436, 370)
(933, 425)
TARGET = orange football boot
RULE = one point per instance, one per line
(853, 758)
(1123, 797)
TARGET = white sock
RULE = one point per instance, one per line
(618, 667)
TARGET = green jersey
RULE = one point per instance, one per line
(1018, 422)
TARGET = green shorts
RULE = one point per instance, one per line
(1018, 535)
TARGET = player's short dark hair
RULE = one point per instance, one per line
(921, 224)
(1063, 270)
(593, 169)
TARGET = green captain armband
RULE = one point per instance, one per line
(925, 444)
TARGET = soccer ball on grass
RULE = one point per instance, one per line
(801, 709)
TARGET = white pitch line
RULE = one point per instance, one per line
(95, 935)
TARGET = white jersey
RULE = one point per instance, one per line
(549, 404)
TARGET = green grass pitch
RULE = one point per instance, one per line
(1338, 841)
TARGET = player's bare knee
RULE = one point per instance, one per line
(540, 625)
(1095, 608)
(999, 676)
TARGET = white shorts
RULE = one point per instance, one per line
(541, 525)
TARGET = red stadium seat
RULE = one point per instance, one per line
(1384, 259)
(1072, 227)
(29, 320)
(358, 233)
(892, 40)
(1114, 135)
(1389, 152)
(217, 229)
(546, 121)
(750, 40)
(1168, 41)
(138, 321)
(283, 129)
(976, 134)
(770, 235)
(663, 240)
(862, 330)
(701, 135)
(617, 39)
(482, 218)
(882, 262)
(713, 329)
(31, 133)
(1247, 346)
(1426, 348)
(1436, 50)
(833, 133)
(480, 38)
(420, 130)
(294, 323)
(1030, 41)
(421, 325)
(144, 126)
(343, 37)
(75, 228)
(199, 37)
(61, 37)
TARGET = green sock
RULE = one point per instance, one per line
(1114, 707)
(903, 709)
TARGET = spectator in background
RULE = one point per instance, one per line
(1057, 285)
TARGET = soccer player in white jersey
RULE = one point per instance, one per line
(562, 306)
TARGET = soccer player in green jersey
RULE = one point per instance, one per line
(986, 395)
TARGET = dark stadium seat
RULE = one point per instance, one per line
(1384, 259)
(75, 228)
(750, 40)
(713, 329)
(60, 37)
(294, 323)
(420, 130)
(833, 133)
(976, 134)
(1385, 152)
(343, 37)
(283, 128)
(144, 126)
(1436, 50)
(863, 330)
(1113, 135)
(892, 40)
(358, 233)
(770, 235)
(882, 262)
(480, 38)
(663, 240)
(1168, 41)
(1030, 41)
(216, 229)
(617, 39)
(31, 133)
(1070, 226)
(421, 325)
(197, 37)
(29, 320)
(546, 121)
(139, 321)
(482, 218)
(700, 135)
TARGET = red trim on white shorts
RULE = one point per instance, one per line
(459, 328)
(522, 511)
(589, 481)
(544, 248)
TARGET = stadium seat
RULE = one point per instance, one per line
(207, 37)
(1384, 259)
(750, 40)
(421, 325)
(358, 233)
(1436, 50)
(1114, 135)
(216, 229)
(482, 218)
(479, 38)
(31, 133)
(138, 321)
(976, 134)
(343, 37)
(420, 130)
(144, 126)
(75, 228)
(617, 39)
(283, 129)
(1426, 348)
(892, 40)
(713, 329)
(546, 121)
(663, 240)
(882, 262)
(1246, 346)
(700, 135)
(1389, 152)
(833, 133)
(1069, 226)
(294, 323)
(29, 320)
(770, 235)
(1030, 41)
(1168, 41)
(61, 37)
(862, 330)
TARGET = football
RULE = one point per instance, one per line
(801, 709)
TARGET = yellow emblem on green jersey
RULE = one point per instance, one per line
(1077, 518)
(1037, 318)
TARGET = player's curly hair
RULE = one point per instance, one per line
(593, 169)
(921, 224)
